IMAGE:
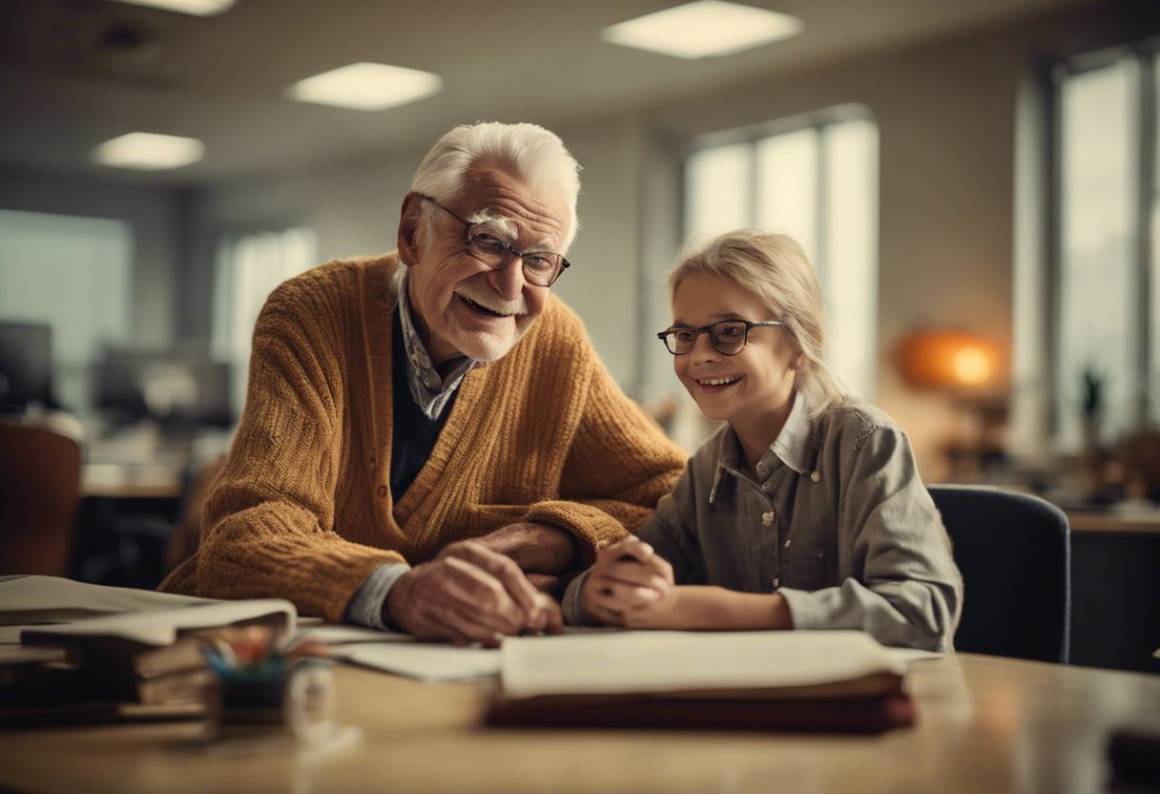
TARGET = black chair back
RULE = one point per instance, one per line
(1014, 553)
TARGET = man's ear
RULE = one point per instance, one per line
(409, 220)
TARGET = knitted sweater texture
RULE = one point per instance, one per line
(303, 508)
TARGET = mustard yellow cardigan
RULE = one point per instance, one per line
(303, 508)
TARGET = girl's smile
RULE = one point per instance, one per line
(751, 389)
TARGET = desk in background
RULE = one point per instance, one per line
(1115, 590)
(124, 522)
(124, 481)
(985, 724)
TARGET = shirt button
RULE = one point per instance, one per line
(382, 491)
(767, 518)
(768, 487)
(788, 541)
(817, 475)
(776, 582)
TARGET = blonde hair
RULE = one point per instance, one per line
(774, 268)
(536, 154)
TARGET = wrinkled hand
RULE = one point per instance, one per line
(626, 576)
(470, 593)
(537, 548)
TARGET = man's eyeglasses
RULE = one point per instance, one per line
(727, 336)
(541, 268)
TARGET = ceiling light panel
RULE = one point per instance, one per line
(704, 28)
(366, 86)
(201, 8)
(147, 151)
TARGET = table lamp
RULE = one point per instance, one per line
(963, 367)
(946, 360)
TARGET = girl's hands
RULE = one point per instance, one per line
(627, 576)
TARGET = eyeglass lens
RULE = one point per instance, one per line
(726, 337)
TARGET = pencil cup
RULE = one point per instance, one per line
(297, 701)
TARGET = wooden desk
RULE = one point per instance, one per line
(1115, 590)
(1147, 523)
(985, 725)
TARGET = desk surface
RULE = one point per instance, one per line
(1145, 523)
(985, 725)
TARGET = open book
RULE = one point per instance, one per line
(838, 680)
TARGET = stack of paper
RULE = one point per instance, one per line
(37, 600)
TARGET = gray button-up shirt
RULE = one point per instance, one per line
(835, 518)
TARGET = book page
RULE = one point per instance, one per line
(674, 661)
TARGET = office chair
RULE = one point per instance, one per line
(40, 477)
(1014, 553)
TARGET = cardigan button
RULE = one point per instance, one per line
(382, 492)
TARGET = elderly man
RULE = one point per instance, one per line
(422, 444)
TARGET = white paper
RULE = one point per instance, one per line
(671, 661)
(54, 599)
(908, 655)
(161, 627)
(422, 660)
(341, 635)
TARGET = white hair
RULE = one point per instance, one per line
(775, 269)
(536, 155)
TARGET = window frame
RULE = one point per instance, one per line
(1145, 194)
(751, 136)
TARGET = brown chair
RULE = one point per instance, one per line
(40, 480)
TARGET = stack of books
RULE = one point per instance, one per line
(127, 665)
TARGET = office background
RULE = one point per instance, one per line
(980, 176)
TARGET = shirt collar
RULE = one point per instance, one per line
(791, 447)
(429, 389)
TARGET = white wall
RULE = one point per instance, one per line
(946, 113)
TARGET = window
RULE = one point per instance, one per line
(72, 274)
(249, 267)
(1107, 326)
(817, 181)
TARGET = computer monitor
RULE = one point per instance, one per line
(25, 366)
(178, 388)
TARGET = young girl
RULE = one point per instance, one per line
(806, 510)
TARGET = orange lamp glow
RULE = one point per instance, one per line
(943, 359)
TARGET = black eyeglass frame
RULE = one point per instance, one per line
(512, 251)
(667, 334)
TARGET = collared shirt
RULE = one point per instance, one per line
(834, 517)
(431, 394)
(430, 391)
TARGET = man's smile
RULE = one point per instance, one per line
(479, 308)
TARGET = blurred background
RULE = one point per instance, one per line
(976, 184)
